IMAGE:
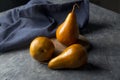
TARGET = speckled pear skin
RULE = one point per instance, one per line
(68, 32)
(72, 57)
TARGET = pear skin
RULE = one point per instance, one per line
(72, 57)
(41, 49)
(68, 32)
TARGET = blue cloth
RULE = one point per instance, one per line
(19, 26)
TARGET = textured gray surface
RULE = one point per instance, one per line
(104, 59)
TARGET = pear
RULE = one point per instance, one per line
(68, 32)
(72, 57)
(41, 49)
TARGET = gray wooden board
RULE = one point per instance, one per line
(103, 32)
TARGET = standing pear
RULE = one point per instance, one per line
(68, 32)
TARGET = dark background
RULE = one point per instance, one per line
(113, 5)
(8, 4)
(109, 4)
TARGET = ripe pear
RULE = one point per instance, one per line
(68, 32)
(41, 49)
(72, 57)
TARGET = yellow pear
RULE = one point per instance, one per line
(72, 57)
(68, 32)
(42, 49)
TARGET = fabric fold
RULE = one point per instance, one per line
(19, 26)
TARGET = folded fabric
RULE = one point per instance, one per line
(19, 26)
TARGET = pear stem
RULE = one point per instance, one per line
(75, 5)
